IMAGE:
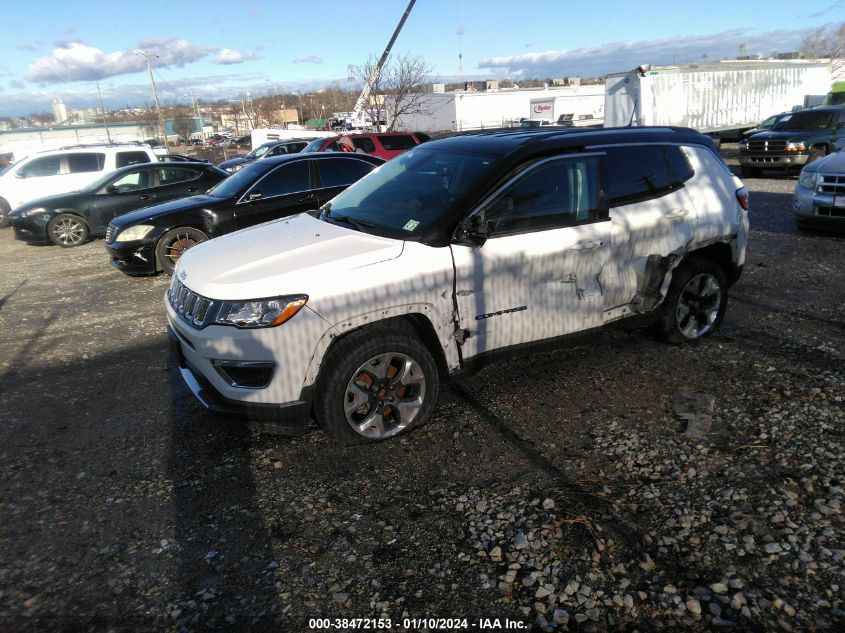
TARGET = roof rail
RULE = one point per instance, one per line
(86, 145)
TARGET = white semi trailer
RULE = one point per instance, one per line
(575, 106)
(720, 97)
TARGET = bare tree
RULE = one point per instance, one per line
(399, 88)
(827, 41)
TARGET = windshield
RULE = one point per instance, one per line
(410, 194)
(313, 146)
(237, 182)
(806, 120)
(259, 151)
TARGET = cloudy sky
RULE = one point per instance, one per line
(56, 48)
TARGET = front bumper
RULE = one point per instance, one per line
(818, 210)
(33, 230)
(774, 161)
(133, 258)
(291, 418)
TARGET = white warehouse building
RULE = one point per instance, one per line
(470, 110)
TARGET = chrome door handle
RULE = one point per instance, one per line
(586, 246)
(675, 214)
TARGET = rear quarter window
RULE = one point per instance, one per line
(337, 172)
(401, 142)
(640, 172)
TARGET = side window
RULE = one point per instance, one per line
(336, 172)
(551, 195)
(170, 175)
(288, 178)
(679, 168)
(124, 159)
(45, 166)
(79, 163)
(636, 173)
(279, 150)
(332, 147)
(403, 141)
(132, 181)
(365, 144)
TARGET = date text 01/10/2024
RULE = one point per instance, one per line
(413, 624)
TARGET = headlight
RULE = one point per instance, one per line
(31, 213)
(235, 168)
(261, 312)
(137, 232)
(796, 147)
(808, 179)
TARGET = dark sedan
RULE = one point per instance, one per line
(153, 239)
(70, 219)
(266, 150)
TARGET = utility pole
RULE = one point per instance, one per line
(103, 110)
(155, 95)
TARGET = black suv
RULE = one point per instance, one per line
(797, 139)
(153, 239)
(69, 219)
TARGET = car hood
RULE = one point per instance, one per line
(784, 135)
(295, 255)
(55, 202)
(234, 161)
(835, 163)
(165, 208)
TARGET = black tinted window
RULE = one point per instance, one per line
(400, 142)
(336, 172)
(364, 143)
(679, 168)
(554, 194)
(78, 163)
(170, 175)
(46, 166)
(125, 159)
(635, 173)
(288, 178)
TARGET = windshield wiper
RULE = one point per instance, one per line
(347, 220)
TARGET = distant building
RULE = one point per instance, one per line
(59, 112)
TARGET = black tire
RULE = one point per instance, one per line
(67, 230)
(695, 304)
(816, 153)
(5, 220)
(750, 172)
(351, 370)
(175, 242)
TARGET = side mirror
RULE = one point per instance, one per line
(111, 189)
(255, 195)
(472, 230)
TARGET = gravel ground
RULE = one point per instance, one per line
(617, 484)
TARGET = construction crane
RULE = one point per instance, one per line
(357, 117)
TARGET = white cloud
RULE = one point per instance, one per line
(621, 56)
(75, 61)
(307, 59)
(229, 56)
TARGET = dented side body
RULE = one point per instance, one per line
(502, 293)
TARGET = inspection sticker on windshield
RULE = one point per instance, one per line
(411, 225)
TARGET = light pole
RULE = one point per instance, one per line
(155, 95)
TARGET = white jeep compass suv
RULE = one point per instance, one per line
(456, 252)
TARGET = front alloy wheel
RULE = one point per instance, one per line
(67, 230)
(384, 395)
(376, 383)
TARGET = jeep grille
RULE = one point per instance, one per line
(194, 309)
(831, 184)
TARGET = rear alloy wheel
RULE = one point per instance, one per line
(175, 242)
(695, 303)
(67, 230)
(378, 384)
